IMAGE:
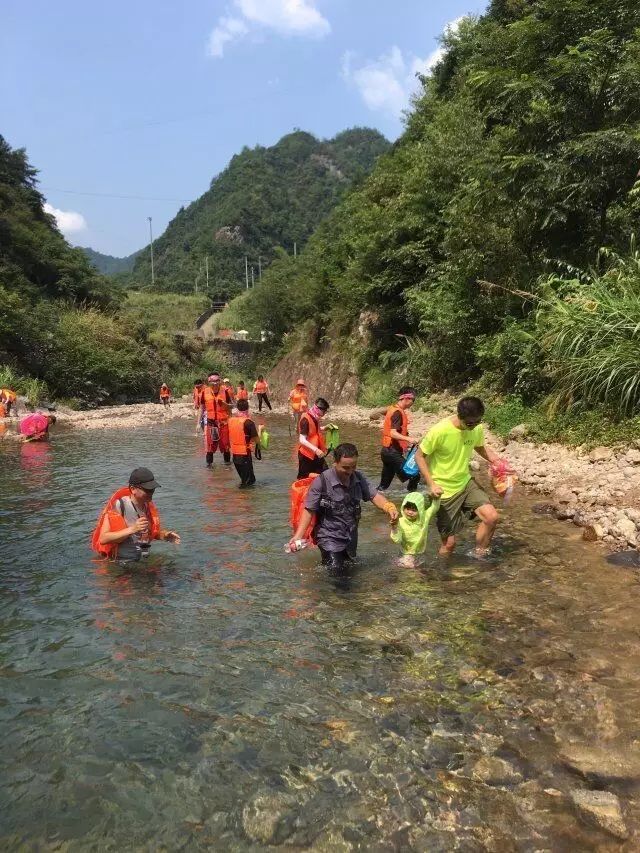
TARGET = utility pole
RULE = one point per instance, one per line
(252, 279)
(259, 268)
(206, 266)
(246, 271)
(153, 278)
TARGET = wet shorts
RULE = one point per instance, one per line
(454, 510)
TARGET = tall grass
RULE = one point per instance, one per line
(590, 333)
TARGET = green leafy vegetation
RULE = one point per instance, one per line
(265, 198)
(65, 331)
(469, 246)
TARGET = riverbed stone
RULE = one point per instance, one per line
(264, 818)
(625, 529)
(602, 810)
(519, 432)
(495, 771)
(601, 763)
(600, 454)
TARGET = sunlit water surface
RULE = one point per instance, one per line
(225, 695)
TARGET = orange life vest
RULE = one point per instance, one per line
(297, 497)
(213, 403)
(237, 438)
(197, 396)
(3, 411)
(164, 393)
(242, 394)
(314, 436)
(260, 387)
(387, 441)
(117, 523)
(299, 400)
(9, 395)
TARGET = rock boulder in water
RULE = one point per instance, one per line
(602, 810)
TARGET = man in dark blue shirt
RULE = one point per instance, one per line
(334, 498)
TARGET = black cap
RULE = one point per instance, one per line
(144, 478)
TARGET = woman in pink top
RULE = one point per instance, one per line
(36, 427)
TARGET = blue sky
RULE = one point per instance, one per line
(149, 100)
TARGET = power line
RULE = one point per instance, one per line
(114, 195)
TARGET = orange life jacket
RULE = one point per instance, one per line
(314, 436)
(197, 396)
(117, 523)
(387, 441)
(230, 391)
(164, 393)
(299, 400)
(237, 438)
(297, 497)
(261, 387)
(9, 395)
(242, 394)
(213, 403)
(3, 411)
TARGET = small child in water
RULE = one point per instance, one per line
(411, 530)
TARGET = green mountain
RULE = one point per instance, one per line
(108, 264)
(266, 198)
(471, 248)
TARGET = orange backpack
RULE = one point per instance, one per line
(297, 497)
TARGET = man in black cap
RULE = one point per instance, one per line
(130, 520)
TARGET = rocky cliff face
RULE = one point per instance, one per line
(330, 374)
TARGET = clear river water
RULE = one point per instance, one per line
(224, 695)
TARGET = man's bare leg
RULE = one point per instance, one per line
(447, 546)
(488, 516)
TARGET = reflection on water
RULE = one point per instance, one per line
(225, 695)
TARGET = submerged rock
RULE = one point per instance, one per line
(495, 771)
(595, 762)
(602, 810)
(264, 818)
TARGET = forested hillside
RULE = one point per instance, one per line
(108, 264)
(66, 332)
(266, 198)
(495, 234)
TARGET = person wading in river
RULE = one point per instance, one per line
(243, 435)
(312, 447)
(395, 431)
(130, 521)
(443, 459)
(261, 390)
(216, 404)
(334, 498)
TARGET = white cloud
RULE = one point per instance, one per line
(68, 221)
(227, 30)
(387, 83)
(287, 17)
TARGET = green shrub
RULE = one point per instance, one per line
(92, 358)
(589, 329)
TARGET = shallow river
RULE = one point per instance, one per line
(227, 696)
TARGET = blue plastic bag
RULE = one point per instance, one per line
(410, 466)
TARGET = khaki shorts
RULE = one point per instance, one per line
(453, 510)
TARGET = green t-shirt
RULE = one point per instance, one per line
(449, 450)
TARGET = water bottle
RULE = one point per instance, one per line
(299, 545)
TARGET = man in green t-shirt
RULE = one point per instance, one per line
(443, 459)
